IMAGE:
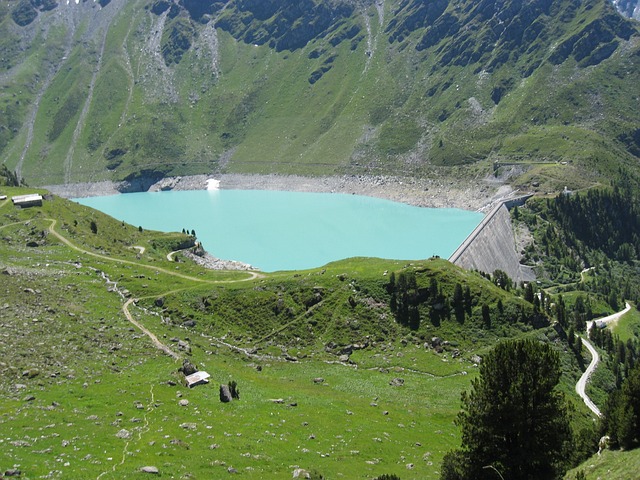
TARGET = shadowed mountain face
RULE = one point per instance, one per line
(629, 8)
(142, 89)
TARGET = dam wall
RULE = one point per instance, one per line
(491, 246)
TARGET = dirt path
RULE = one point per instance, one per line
(52, 230)
(125, 308)
(158, 344)
(171, 254)
(595, 358)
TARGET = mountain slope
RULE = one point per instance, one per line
(140, 89)
(629, 8)
(340, 369)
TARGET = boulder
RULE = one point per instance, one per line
(225, 394)
(188, 368)
(396, 382)
(150, 469)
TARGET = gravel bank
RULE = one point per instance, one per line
(445, 192)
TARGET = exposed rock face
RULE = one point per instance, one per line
(301, 21)
(629, 8)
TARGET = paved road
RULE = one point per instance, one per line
(595, 358)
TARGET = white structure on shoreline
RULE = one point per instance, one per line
(213, 184)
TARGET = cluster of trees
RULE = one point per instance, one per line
(407, 297)
(10, 178)
(623, 356)
(411, 300)
(601, 219)
(599, 228)
(621, 419)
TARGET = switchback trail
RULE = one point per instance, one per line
(595, 358)
(125, 308)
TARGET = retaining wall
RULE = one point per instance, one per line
(491, 246)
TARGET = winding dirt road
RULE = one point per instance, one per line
(595, 358)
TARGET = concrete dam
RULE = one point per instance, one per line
(491, 246)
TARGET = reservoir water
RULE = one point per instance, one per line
(274, 230)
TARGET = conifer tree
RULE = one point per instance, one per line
(513, 420)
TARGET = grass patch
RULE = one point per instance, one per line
(614, 465)
(628, 326)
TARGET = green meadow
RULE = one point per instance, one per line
(329, 379)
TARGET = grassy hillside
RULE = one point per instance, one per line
(140, 89)
(611, 464)
(337, 371)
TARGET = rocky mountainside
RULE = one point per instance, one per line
(629, 8)
(141, 89)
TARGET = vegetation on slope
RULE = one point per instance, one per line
(161, 88)
(513, 421)
(335, 371)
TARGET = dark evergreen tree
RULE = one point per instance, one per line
(458, 303)
(468, 300)
(561, 314)
(486, 315)
(528, 292)
(514, 420)
(622, 413)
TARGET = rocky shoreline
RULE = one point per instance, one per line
(441, 192)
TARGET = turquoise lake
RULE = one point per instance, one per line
(274, 230)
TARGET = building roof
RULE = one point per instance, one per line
(31, 198)
(197, 378)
